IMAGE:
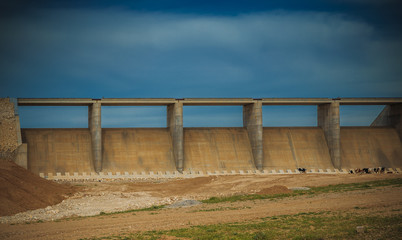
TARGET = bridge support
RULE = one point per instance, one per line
(252, 121)
(328, 119)
(391, 116)
(94, 124)
(175, 125)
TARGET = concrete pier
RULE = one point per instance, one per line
(328, 119)
(175, 125)
(252, 121)
(94, 124)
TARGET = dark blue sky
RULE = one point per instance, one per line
(94, 49)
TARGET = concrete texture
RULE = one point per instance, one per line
(94, 125)
(217, 149)
(175, 125)
(252, 121)
(365, 147)
(137, 149)
(21, 157)
(294, 147)
(58, 150)
(391, 116)
(329, 120)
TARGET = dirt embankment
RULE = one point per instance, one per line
(21, 190)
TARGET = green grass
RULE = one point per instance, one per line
(314, 190)
(312, 225)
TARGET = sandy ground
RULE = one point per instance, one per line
(128, 195)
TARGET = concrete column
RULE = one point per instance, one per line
(175, 125)
(252, 121)
(17, 120)
(94, 124)
(391, 116)
(329, 121)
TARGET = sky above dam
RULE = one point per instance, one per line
(189, 49)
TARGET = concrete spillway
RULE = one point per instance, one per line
(208, 149)
(370, 147)
(58, 150)
(294, 147)
(217, 149)
(137, 149)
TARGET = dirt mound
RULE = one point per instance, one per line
(276, 189)
(21, 190)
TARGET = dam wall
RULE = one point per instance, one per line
(175, 149)
(295, 147)
(208, 149)
(370, 147)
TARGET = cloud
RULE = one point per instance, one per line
(122, 53)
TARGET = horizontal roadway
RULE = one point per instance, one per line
(202, 101)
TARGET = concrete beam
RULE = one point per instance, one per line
(295, 101)
(391, 116)
(94, 124)
(137, 101)
(328, 119)
(55, 101)
(175, 125)
(370, 101)
(216, 101)
(252, 121)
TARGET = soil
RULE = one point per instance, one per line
(93, 198)
(21, 190)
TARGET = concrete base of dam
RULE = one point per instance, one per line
(144, 150)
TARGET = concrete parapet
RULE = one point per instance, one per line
(175, 125)
(252, 121)
(94, 124)
(328, 119)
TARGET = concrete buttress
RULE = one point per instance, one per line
(175, 125)
(94, 124)
(328, 119)
(252, 121)
(391, 116)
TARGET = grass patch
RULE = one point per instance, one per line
(312, 225)
(313, 190)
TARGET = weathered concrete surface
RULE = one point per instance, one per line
(137, 149)
(294, 147)
(21, 158)
(252, 121)
(391, 116)
(365, 147)
(175, 125)
(58, 150)
(210, 149)
(94, 124)
(328, 119)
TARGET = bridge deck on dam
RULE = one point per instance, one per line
(365, 147)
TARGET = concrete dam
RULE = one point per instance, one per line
(253, 148)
